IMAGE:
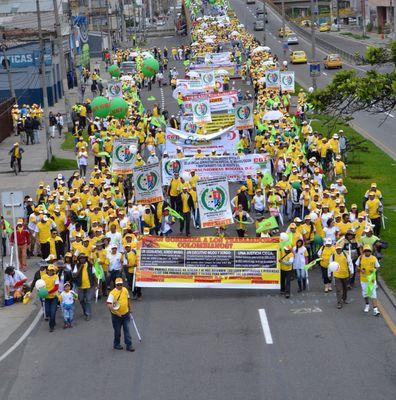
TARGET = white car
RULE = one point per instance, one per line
(292, 39)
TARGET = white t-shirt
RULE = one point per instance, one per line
(67, 297)
(259, 202)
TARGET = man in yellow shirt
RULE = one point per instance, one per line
(368, 265)
(174, 189)
(43, 234)
(341, 275)
(186, 205)
(84, 276)
(51, 280)
(120, 306)
(286, 269)
(373, 209)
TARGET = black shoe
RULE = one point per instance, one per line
(299, 290)
(287, 295)
(117, 347)
(87, 317)
(51, 329)
(339, 305)
(132, 349)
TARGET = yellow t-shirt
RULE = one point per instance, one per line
(372, 208)
(325, 256)
(174, 187)
(367, 266)
(343, 271)
(85, 284)
(50, 282)
(44, 231)
(185, 206)
(121, 296)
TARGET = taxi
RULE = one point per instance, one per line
(332, 61)
(324, 27)
(287, 32)
(298, 57)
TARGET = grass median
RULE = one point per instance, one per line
(367, 163)
(68, 143)
(59, 164)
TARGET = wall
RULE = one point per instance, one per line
(6, 119)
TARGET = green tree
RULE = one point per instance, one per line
(351, 91)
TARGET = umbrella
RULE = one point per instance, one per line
(195, 44)
(221, 72)
(127, 78)
(234, 33)
(193, 74)
(273, 115)
(240, 26)
(134, 54)
(147, 54)
(261, 48)
(209, 40)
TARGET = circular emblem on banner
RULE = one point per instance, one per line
(213, 198)
(189, 127)
(272, 78)
(172, 167)
(207, 78)
(123, 154)
(243, 112)
(201, 109)
(115, 89)
(147, 181)
(287, 80)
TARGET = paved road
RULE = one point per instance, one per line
(210, 344)
(378, 128)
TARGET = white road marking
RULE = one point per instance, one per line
(389, 115)
(23, 337)
(307, 310)
(265, 326)
(324, 73)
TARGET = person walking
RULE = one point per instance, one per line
(23, 242)
(286, 270)
(59, 124)
(51, 280)
(16, 156)
(84, 276)
(341, 274)
(185, 206)
(299, 261)
(120, 306)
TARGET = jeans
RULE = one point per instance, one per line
(285, 281)
(36, 134)
(68, 313)
(301, 278)
(50, 310)
(185, 222)
(325, 275)
(118, 323)
(85, 297)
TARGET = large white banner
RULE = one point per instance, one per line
(233, 168)
(124, 151)
(214, 202)
(114, 89)
(244, 115)
(148, 184)
(187, 124)
(218, 58)
(201, 110)
(189, 142)
(272, 79)
(224, 101)
(287, 81)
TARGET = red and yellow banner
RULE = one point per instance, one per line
(208, 262)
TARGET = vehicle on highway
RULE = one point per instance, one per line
(260, 11)
(287, 32)
(298, 57)
(128, 67)
(332, 61)
(258, 25)
(324, 27)
(250, 1)
(292, 39)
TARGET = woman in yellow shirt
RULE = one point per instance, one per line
(341, 274)
(51, 280)
(325, 253)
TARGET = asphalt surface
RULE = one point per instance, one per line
(379, 127)
(210, 344)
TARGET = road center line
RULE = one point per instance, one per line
(265, 326)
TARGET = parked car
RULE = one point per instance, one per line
(298, 57)
(292, 39)
(332, 61)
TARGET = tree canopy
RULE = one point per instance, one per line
(351, 91)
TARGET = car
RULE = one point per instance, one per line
(298, 57)
(292, 39)
(286, 33)
(250, 1)
(128, 67)
(260, 11)
(258, 25)
(332, 61)
(324, 27)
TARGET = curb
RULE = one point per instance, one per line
(16, 337)
(388, 292)
(25, 170)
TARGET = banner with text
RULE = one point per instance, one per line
(244, 115)
(234, 168)
(124, 151)
(208, 262)
(287, 81)
(214, 202)
(148, 184)
(224, 101)
(201, 110)
(272, 78)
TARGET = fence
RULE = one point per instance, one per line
(6, 118)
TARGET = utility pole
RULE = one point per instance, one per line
(283, 30)
(150, 11)
(7, 65)
(108, 13)
(43, 82)
(363, 5)
(59, 41)
(123, 22)
(265, 28)
(338, 15)
(313, 44)
(394, 19)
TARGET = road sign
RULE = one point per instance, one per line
(7, 198)
(314, 68)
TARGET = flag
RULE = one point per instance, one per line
(371, 284)
(267, 224)
(311, 264)
(174, 213)
(104, 154)
(288, 169)
(98, 271)
(8, 228)
(267, 179)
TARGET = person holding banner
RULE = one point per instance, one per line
(185, 207)
(242, 219)
(286, 269)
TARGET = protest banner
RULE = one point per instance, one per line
(224, 101)
(219, 121)
(201, 110)
(114, 89)
(272, 79)
(234, 168)
(215, 58)
(222, 141)
(287, 81)
(244, 115)
(208, 262)
(187, 124)
(124, 151)
(214, 202)
(231, 68)
(207, 79)
(148, 184)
